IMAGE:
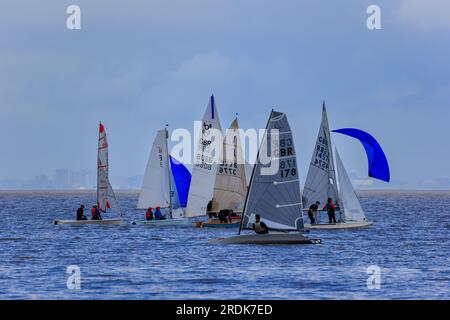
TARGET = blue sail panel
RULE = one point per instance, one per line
(378, 164)
(182, 178)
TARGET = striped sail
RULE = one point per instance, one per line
(205, 163)
(230, 187)
(105, 193)
(321, 179)
(276, 197)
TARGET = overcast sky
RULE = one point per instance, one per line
(137, 65)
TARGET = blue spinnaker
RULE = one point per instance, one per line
(182, 178)
(378, 164)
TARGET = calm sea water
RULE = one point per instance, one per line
(409, 242)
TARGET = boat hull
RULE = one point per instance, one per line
(82, 222)
(271, 238)
(338, 226)
(221, 225)
(165, 222)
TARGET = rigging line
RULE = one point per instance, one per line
(283, 182)
(288, 205)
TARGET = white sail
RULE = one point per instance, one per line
(349, 202)
(112, 199)
(321, 179)
(276, 197)
(230, 187)
(205, 164)
(155, 187)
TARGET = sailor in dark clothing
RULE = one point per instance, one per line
(209, 209)
(312, 211)
(80, 213)
(330, 207)
(224, 215)
(260, 227)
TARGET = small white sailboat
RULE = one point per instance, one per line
(230, 188)
(322, 183)
(274, 196)
(205, 163)
(105, 193)
(158, 188)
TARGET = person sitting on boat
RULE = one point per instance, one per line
(260, 227)
(209, 211)
(158, 214)
(95, 213)
(224, 215)
(80, 213)
(312, 212)
(149, 214)
(233, 215)
(330, 207)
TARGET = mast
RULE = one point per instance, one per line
(253, 174)
(169, 172)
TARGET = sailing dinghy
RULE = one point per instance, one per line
(159, 188)
(230, 187)
(275, 196)
(322, 183)
(105, 193)
(205, 163)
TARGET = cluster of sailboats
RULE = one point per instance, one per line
(213, 186)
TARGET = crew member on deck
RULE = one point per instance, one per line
(149, 214)
(330, 207)
(312, 212)
(158, 214)
(95, 213)
(209, 209)
(224, 216)
(80, 213)
(259, 226)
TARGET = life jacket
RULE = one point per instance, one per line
(149, 215)
(93, 212)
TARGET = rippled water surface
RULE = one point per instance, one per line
(409, 241)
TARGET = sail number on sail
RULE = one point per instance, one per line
(321, 155)
(205, 159)
(229, 166)
(288, 166)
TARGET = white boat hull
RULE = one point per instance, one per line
(338, 226)
(270, 238)
(82, 222)
(165, 222)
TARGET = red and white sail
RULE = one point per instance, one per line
(104, 190)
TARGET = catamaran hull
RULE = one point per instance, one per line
(165, 222)
(82, 222)
(271, 238)
(338, 226)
